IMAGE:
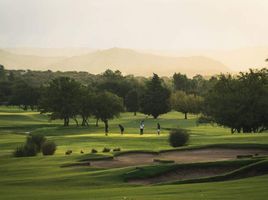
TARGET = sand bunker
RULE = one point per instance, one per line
(186, 156)
(184, 174)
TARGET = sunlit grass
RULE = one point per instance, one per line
(42, 177)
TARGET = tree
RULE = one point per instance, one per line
(2, 72)
(132, 101)
(222, 102)
(181, 82)
(184, 103)
(60, 99)
(240, 102)
(5, 92)
(198, 85)
(155, 100)
(11, 76)
(86, 104)
(114, 82)
(107, 106)
(24, 95)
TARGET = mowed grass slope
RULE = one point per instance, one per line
(43, 177)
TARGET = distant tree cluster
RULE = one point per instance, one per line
(198, 85)
(240, 102)
(188, 94)
(67, 98)
(64, 98)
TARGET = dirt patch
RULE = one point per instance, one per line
(186, 156)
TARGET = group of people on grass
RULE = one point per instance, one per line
(158, 127)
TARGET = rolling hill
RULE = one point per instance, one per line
(126, 60)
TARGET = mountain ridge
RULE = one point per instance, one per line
(128, 61)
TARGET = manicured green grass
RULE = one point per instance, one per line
(251, 188)
(44, 177)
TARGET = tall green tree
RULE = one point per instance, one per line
(24, 95)
(2, 73)
(132, 101)
(86, 104)
(61, 98)
(181, 82)
(155, 100)
(184, 103)
(5, 92)
(115, 82)
(107, 106)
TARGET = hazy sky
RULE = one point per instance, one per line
(141, 24)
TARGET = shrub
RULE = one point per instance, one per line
(19, 152)
(30, 150)
(26, 150)
(37, 140)
(178, 137)
(94, 151)
(106, 150)
(116, 149)
(68, 152)
(49, 148)
(204, 120)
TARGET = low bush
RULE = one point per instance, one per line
(49, 148)
(116, 149)
(106, 150)
(30, 150)
(26, 150)
(94, 151)
(37, 140)
(19, 152)
(204, 120)
(178, 137)
(68, 152)
(33, 145)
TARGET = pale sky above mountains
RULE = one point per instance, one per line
(138, 24)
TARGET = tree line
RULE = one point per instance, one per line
(235, 101)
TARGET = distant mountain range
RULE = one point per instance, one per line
(126, 60)
(235, 59)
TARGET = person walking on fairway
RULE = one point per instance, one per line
(121, 129)
(158, 128)
(141, 127)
